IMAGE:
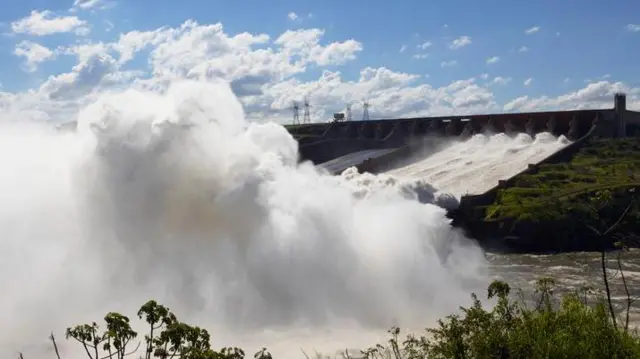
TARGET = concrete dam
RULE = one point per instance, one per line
(399, 146)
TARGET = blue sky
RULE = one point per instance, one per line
(568, 47)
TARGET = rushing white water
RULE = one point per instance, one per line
(175, 197)
(477, 164)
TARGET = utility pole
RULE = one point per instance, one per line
(296, 113)
(365, 113)
(307, 115)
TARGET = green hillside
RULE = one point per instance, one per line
(557, 205)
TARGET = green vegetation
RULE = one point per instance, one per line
(567, 327)
(558, 200)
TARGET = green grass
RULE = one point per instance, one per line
(564, 207)
(558, 191)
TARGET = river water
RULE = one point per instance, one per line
(571, 272)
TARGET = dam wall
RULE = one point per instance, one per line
(617, 122)
(321, 141)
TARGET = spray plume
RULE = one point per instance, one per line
(173, 196)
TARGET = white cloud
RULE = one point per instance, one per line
(297, 17)
(91, 5)
(498, 80)
(263, 71)
(420, 56)
(403, 48)
(305, 43)
(633, 27)
(424, 45)
(492, 60)
(523, 49)
(33, 54)
(603, 77)
(462, 41)
(448, 63)
(594, 95)
(528, 81)
(45, 23)
(532, 30)
(195, 50)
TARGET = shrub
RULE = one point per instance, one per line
(552, 328)
(569, 329)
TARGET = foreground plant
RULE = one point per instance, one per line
(167, 338)
(566, 327)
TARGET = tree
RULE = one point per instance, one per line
(167, 338)
(606, 235)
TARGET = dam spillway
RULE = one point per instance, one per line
(494, 147)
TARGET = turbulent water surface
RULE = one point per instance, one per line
(173, 196)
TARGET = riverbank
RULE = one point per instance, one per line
(562, 207)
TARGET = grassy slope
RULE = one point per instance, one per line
(612, 164)
(554, 208)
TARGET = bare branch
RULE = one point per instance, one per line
(617, 223)
(55, 345)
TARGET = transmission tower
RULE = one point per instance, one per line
(349, 118)
(307, 114)
(365, 112)
(296, 113)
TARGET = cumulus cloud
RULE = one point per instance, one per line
(263, 71)
(425, 45)
(493, 60)
(91, 5)
(594, 95)
(499, 80)
(528, 81)
(462, 41)
(46, 23)
(33, 53)
(292, 16)
(523, 49)
(532, 30)
(633, 27)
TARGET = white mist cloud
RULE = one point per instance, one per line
(217, 222)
